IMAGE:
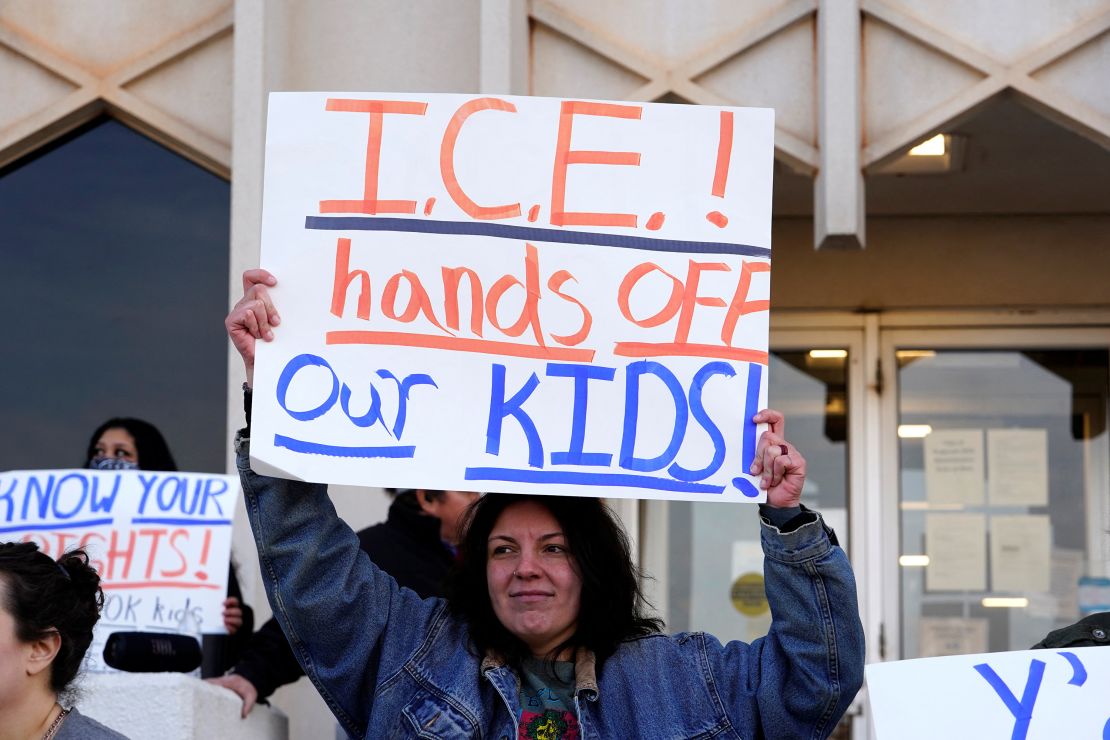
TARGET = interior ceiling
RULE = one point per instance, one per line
(1015, 162)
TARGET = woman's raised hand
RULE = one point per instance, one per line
(253, 317)
(781, 466)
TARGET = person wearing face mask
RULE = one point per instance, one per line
(128, 444)
(544, 632)
(124, 443)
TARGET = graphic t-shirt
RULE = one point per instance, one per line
(547, 701)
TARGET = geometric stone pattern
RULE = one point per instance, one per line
(923, 64)
(163, 68)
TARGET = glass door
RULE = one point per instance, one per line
(1000, 460)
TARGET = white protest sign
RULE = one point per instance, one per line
(515, 294)
(1025, 695)
(161, 542)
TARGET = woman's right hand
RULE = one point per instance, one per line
(253, 317)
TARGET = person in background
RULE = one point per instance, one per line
(124, 443)
(47, 612)
(1091, 631)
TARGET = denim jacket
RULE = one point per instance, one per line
(392, 665)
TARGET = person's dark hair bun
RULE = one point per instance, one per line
(44, 595)
(86, 582)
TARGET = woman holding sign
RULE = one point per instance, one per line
(543, 632)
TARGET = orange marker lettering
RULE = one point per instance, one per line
(377, 110)
(447, 161)
(343, 278)
(418, 300)
(666, 313)
(565, 156)
(529, 312)
(156, 536)
(690, 297)
(181, 556)
(114, 554)
(740, 305)
(555, 283)
(452, 281)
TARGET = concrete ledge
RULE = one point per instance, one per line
(173, 706)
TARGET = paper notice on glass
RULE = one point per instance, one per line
(1067, 567)
(957, 548)
(1017, 467)
(954, 466)
(952, 636)
(1021, 553)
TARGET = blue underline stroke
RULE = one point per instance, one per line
(180, 520)
(576, 478)
(58, 525)
(528, 233)
(315, 448)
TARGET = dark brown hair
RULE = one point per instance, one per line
(44, 595)
(153, 452)
(612, 603)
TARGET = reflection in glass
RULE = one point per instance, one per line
(114, 264)
(1003, 499)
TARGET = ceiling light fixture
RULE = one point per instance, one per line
(934, 147)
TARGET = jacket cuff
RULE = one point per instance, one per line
(808, 538)
(243, 448)
(257, 676)
(786, 520)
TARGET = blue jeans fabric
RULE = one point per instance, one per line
(390, 664)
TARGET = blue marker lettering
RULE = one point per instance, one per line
(628, 459)
(83, 494)
(697, 408)
(370, 417)
(499, 408)
(105, 504)
(582, 374)
(177, 490)
(213, 489)
(35, 488)
(403, 387)
(1078, 672)
(747, 454)
(6, 497)
(291, 368)
(148, 482)
(1023, 710)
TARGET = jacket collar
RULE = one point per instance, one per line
(585, 671)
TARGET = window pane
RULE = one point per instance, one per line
(1003, 494)
(114, 264)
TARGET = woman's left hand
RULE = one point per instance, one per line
(782, 467)
(233, 615)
